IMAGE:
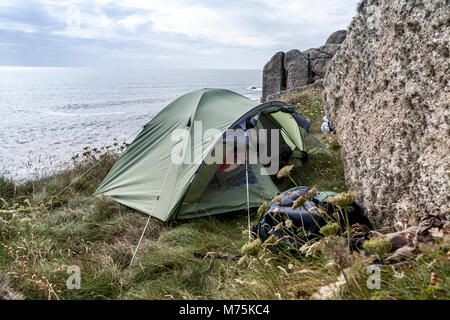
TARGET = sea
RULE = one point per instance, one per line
(48, 115)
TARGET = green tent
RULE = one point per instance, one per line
(147, 179)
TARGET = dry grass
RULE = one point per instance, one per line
(41, 235)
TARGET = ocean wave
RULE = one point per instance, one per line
(66, 114)
(107, 104)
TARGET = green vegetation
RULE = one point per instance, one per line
(322, 172)
(42, 234)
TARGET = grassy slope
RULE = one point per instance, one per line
(41, 235)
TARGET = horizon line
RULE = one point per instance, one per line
(122, 67)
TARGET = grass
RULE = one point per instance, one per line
(42, 235)
(322, 172)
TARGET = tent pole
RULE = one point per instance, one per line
(246, 180)
(150, 215)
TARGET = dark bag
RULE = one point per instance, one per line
(306, 220)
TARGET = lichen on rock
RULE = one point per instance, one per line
(387, 95)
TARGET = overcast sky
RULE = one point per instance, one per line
(219, 34)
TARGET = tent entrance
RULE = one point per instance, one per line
(221, 187)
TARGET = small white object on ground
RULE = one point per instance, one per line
(326, 128)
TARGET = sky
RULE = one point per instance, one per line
(201, 34)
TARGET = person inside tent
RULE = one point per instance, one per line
(232, 172)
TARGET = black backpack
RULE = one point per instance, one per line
(306, 220)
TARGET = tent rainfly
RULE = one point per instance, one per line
(147, 179)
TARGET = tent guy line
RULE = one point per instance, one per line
(93, 166)
(149, 216)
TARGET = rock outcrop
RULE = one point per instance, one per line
(319, 59)
(295, 71)
(336, 37)
(387, 94)
(296, 67)
(274, 79)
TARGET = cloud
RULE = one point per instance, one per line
(222, 25)
(95, 25)
(17, 26)
(87, 19)
(316, 12)
(132, 22)
(180, 29)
